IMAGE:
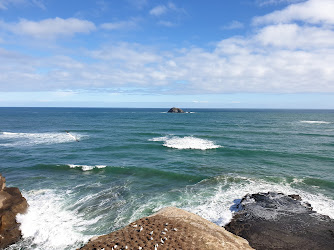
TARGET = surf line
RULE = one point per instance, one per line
(72, 135)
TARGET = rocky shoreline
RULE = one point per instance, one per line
(170, 228)
(262, 221)
(277, 221)
(11, 203)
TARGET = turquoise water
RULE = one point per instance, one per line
(117, 165)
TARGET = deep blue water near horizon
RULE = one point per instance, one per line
(114, 165)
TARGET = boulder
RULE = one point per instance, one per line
(277, 221)
(11, 203)
(170, 228)
(175, 110)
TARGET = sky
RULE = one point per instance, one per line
(155, 53)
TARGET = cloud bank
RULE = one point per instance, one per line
(312, 12)
(49, 28)
(288, 51)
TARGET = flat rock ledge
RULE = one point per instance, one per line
(170, 228)
(175, 110)
(11, 203)
(277, 221)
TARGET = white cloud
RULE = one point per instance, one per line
(64, 94)
(131, 54)
(138, 3)
(49, 28)
(170, 7)
(275, 58)
(158, 10)
(120, 25)
(166, 23)
(195, 101)
(292, 36)
(276, 2)
(244, 64)
(233, 25)
(312, 11)
(39, 3)
(5, 4)
(170, 12)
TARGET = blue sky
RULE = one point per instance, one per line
(145, 53)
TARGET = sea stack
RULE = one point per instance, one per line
(170, 228)
(175, 110)
(11, 203)
(277, 221)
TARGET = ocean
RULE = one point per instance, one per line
(90, 171)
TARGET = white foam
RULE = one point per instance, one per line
(48, 224)
(182, 113)
(51, 226)
(187, 142)
(163, 138)
(315, 122)
(217, 208)
(86, 167)
(27, 139)
(216, 199)
(72, 136)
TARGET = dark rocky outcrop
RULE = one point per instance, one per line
(175, 110)
(170, 228)
(11, 203)
(277, 221)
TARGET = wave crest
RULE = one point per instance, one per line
(315, 122)
(187, 142)
(28, 139)
(50, 224)
(86, 167)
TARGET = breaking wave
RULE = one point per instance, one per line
(315, 122)
(49, 224)
(219, 207)
(216, 199)
(86, 167)
(187, 142)
(28, 139)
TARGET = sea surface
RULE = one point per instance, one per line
(87, 171)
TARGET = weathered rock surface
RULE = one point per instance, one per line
(170, 228)
(175, 110)
(11, 203)
(278, 221)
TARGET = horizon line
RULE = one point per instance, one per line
(78, 107)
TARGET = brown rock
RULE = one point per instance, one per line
(2, 182)
(170, 228)
(11, 203)
(295, 197)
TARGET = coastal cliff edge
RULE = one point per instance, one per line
(170, 228)
(11, 203)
